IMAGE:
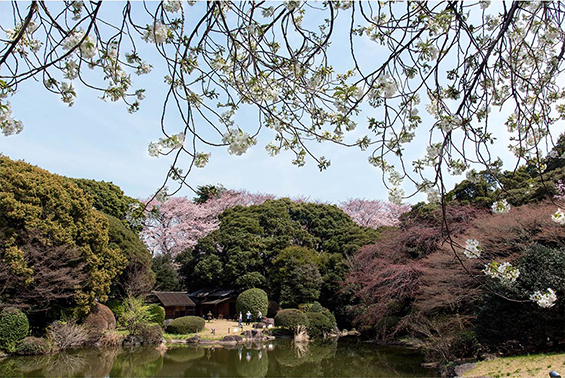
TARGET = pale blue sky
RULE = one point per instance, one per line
(102, 141)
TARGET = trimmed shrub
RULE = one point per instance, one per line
(14, 326)
(330, 316)
(186, 324)
(291, 318)
(33, 346)
(100, 319)
(311, 307)
(150, 334)
(319, 324)
(156, 314)
(252, 300)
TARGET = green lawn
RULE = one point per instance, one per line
(537, 365)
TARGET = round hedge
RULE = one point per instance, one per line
(291, 318)
(252, 300)
(33, 346)
(186, 324)
(150, 334)
(319, 324)
(14, 326)
(156, 314)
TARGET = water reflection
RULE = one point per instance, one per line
(282, 358)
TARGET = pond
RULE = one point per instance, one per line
(280, 358)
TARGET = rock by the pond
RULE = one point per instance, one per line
(259, 325)
(347, 334)
(253, 334)
(167, 322)
(131, 340)
(269, 321)
(193, 340)
(232, 338)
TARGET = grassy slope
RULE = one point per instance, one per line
(538, 365)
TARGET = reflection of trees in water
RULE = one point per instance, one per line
(255, 363)
(83, 362)
(65, 364)
(137, 362)
(184, 354)
(285, 360)
(302, 359)
(375, 361)
(99, 362)
(17, 366)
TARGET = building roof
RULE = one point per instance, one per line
(208, 292)
(214, 302)
(174, 298)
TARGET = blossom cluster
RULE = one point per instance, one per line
(544, 300)
(238, 141)
(87, 43)
(8, 124)
(558, 217)
(201, 159)
(156, 33)
(173, 142)
(172, 6)
(505, 272)
(500, 207)
(472, 249)
(26, 39)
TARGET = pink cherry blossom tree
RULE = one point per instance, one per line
(373, 213)
(177, 223)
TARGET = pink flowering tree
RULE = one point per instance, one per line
(373, 213)
(176, 224)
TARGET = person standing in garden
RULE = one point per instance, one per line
(248, 316)
(239, 320)
(259, 317)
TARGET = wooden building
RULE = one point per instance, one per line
(220, 302)
(176, 303)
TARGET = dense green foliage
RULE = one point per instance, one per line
(156, 314)
(524, 185)
(33, 346)
(109, 199)
(510, 325)
(137, 278)
(117, 307)
(206, 192)
(166, 277)
(57, 213)
(316, 307)
(246, 251)
(186, 324)
(291, 318)
(318, 324)
(252, 300)
(296, 275)
(14, 326)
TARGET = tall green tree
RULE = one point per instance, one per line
(111, 200)
(166, 277)
(262, 244)
(59, 215)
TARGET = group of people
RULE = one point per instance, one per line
(248, 318)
